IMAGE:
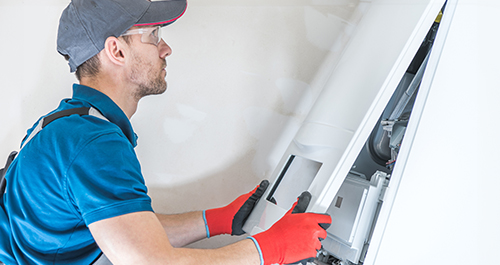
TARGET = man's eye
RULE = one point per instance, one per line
(154, 33)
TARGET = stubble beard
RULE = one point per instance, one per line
(150, 80)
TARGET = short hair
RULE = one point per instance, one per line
(89, 68)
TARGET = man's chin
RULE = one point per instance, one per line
(162, 90)
(160, 87)
(154, 90)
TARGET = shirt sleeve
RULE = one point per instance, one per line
(105, 180)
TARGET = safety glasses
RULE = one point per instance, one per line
(151, 35)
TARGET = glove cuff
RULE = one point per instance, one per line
(258, 249)
(206, 224)
(217, 222)
(269, 249)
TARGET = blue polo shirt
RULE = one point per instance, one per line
(76, 171)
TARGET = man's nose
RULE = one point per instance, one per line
(164, 49)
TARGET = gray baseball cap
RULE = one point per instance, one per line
(85, 25)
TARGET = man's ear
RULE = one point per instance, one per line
(115, 50)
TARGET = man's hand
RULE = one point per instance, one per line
(231, 218)
(295, 237)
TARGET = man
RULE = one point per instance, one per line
(76, 192)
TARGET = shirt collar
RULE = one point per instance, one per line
(107, 107)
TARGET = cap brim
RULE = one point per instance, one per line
(162, 13)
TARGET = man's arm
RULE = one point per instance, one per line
(183, 229)
(186, 228)
(139, 238)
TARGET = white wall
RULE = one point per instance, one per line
(242, 77)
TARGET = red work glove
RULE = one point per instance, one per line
(231, 218)
(295, 237)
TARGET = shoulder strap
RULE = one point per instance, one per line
(63, 113)
(44, 122)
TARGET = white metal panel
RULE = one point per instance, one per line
(446, 209)
(381, 48)
(359, 89)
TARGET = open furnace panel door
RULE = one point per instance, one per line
(346, 148)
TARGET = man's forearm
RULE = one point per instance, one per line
(243, 252)
(183, 229)
(138, 238)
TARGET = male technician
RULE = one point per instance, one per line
(75, 190)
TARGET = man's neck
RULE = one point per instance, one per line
(118, 93)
